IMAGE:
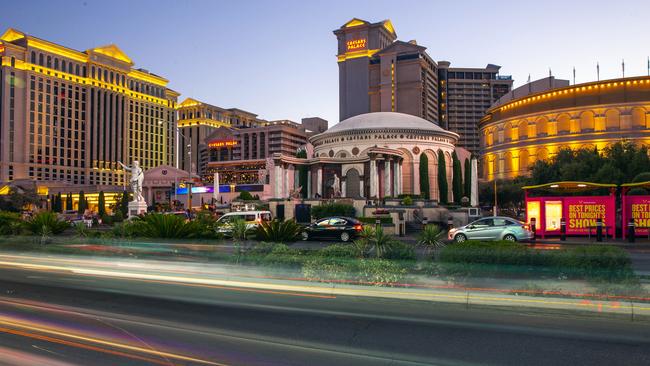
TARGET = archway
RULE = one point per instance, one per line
(563, 124)
(638, 118)
(523, 161)
(507, 132)
(612, 119)
(523, 129)
(352, 188)
(541, 127)
(587, 123)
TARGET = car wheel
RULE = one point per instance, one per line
(510, 237)
(345, 237)
(460, 238)
(304, 235)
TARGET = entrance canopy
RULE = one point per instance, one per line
(568, 187)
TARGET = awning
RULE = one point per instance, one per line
(569, 186)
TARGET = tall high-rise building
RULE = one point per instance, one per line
(465, 95)
(67, 115)
(378, 73)
(198, 120)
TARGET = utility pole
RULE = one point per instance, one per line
(495, 197)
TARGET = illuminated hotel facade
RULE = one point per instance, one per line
(378, 73)
(516, 133)
(197, 121)
(70, 116)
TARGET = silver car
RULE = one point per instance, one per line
(492, 228)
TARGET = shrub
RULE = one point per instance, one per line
(46, 223)
(9, 223)
(332, 209)
(107, 219)
(278, 231)
(81, 230)
(380, 271)
(118, 216)
(338, 251)
(400, 251)
(372, 220)
(240, 230)
(407, 201)
(167, 226)
(282, 255)
(246, 196)
(431, 237)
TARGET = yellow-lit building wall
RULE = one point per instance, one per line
(511, 146)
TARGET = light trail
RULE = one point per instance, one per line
(75, 340)
(302, 290)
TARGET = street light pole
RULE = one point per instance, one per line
(495, 197)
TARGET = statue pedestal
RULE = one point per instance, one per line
(137, 207)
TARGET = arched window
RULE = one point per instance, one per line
(523, 161)
(56, 63)
(507, 132)
(587, 121)
(612, 119)
(49, 62)
(507, 158)
(563, 124)
(63, 68)
(40, 59)
(92, 72)
(638, 118)
(523, 130)
(33, 59)
(542, 127)
(76, 70)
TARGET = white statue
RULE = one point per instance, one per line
(137, 177)
(336, 186)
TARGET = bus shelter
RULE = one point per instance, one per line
(579, 204)
(635, 202)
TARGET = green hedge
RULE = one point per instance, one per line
(332, 209)
(371, 220)
(596, 262)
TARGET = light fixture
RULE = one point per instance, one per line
(555, 186)
(582, 185)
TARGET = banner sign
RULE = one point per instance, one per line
(638, 208)
(582, 213)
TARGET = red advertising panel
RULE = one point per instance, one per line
(582, 212)
(638, 208)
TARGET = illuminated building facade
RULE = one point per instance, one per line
(240, 155)
(197, 121)
(465, 95)
(70, 116)
(378, 73)
(517, 132)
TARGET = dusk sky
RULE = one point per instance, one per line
(277, 58)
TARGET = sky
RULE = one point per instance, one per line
(277, 58)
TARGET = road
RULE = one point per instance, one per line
(86, 318)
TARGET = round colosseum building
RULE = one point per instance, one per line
(517, 132)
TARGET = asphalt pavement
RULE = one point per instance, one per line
(78, 317)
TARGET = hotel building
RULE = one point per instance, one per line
(68, 115)
(378, 73)
(198, 120)
(535, 121)
(465, 95)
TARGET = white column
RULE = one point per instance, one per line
(372, 178)
(361, 179)
(278, 182)
(319, 182)
(398, 177)
(308, 188)
(474, 195)
(343, 187)
(285, 184)
(387, 180)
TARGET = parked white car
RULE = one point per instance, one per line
(252, 218)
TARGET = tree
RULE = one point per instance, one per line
(424, 176)
(18, 199)
(457, 179)
(101, 204)
(442, 178)
(303, 173)
(57, 206)
(82, 205)
(124, 204)
(68, 202)
(467, 188)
